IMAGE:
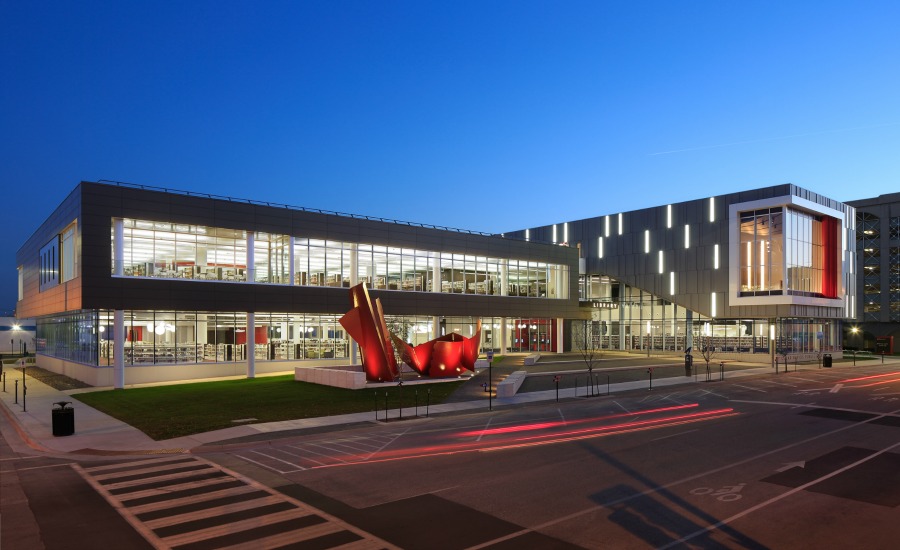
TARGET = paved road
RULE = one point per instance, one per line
(802, 460)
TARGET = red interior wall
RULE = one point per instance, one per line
(830, 271)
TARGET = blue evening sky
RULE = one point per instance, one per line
(486, 115)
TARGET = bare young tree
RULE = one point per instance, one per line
(583, 342)
(706, 348)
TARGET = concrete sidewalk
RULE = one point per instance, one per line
(97, 433)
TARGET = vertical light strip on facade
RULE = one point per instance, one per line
(646, 241)
(527, 235)
(606, 226)
(554, 233)
(599, 247)
(621, 224)
(716, 257)
(762, 265)
(672, 283)
(566, 232)
(687, 236)
(712, 209)
(669, 216)
(661, 270)
(713, 308)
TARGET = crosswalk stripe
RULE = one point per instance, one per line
(173, 488)
(194, 499)
(290, 537)
(361, 544)
(119, 465)
(212, 512)
(149, 470)
(158, 478)
(236, 526)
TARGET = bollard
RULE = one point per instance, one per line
(16, 400)
(428, 403)
(416, 399)
(376, 405)
(4, 382)
(722, 371)
(556, 380)
(385, 405)
(650, 372)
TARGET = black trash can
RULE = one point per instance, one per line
(63, 419)
(826, 360)
(688, 363)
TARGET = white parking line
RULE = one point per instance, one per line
(749, 388)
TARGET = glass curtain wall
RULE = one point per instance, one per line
(762, 252)
(629, 319)
(157, 249)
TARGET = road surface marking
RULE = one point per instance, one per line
(484, 429)
(675, 435)
(789, 465)
(749, 388)
(777, 498)
(836, 388)
(36, 468)
(623, 406)
(652, 490)
(220, 512)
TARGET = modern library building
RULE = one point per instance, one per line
(131, 284)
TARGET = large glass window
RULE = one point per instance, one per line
(158, 249)
(762, 252)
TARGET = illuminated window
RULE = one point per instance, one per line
(68, 260)
(672, 283)
(646, 241)
(554, 233)
(669, 216)
(712, 209)
(687, 236)
(600, 247)
(527, 235)
(713, 305)
(661, 261)
(621, 224)
(716, 257)
(566, 232)
(606, 226)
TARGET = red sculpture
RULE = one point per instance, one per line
(443, 356)
(366, 325)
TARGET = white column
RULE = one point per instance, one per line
(119, 244)
(354, 280)
(292, 269)
(354, 264)
(559, 336)
(504, 336)
(119, 349)
(504, 278)
(435, 327)
(251, 267)
(251, 345)
(436, 276)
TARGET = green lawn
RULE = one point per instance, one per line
(164, 412)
